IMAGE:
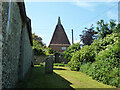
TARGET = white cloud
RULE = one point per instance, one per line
(82, 4)
(91, 3)
(88, 5)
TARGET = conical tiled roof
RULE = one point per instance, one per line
(59, 35)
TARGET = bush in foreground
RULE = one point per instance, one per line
(106, 68)
(101, 60)
(84, 55)
(70, 50)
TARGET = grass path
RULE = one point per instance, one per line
(79, 80)
(62, 77)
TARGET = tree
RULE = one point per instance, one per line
(51, 51)
(88, 35)
(105, 28)
(38, 49)
(38, 39)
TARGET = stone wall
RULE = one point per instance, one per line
(26, 52)
(42, 59)
(11, 45)
(39, 59)
(17, 50)
(0, 45)
(60, 58)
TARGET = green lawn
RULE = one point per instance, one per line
(62, 77)
(79, 79)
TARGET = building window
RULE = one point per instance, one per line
(64, 48)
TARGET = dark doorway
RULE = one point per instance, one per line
(56, 57)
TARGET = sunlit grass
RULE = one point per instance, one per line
(80, 80)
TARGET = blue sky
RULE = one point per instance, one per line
(74, 15)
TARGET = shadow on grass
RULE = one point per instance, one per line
(58, 69)
(37, 78)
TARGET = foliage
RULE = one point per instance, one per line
(38, 46)
(106, 68)
(51, 51)
(38, 49)
(105, 28)
(102, 44)
(88, 53)
(84, 55)
(71, 49)
(85, 67)
(102, 71)
(38, 39)
(74, 64)
(100, 60)
(117, 29)
(88, 36)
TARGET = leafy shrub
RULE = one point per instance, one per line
(38, 52)
(88, 53)
(82, 56)
(101, 60)
(70, 50)
(85, 67)
(41, 50)
(51, 51)
(101, 44)
(106, 68)
(74, 64)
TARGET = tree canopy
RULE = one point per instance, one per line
(88, 35)
(105, 28)
(38, 39)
